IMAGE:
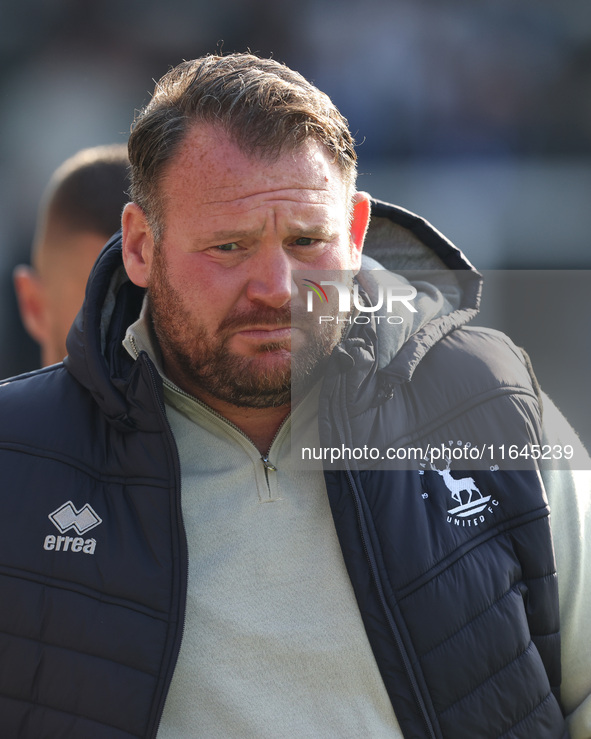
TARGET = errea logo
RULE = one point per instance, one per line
(67, 518)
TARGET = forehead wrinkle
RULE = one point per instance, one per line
(294, 224)
(301, 223)
(276, 198)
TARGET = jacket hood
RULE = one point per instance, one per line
(448, 291)
(377, 356)
(96, 357)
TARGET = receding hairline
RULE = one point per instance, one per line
(243, 93)
(256, 156)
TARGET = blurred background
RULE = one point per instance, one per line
(475, 114)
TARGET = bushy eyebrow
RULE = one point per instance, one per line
(320, 231)
(226, 237)
(299, 231)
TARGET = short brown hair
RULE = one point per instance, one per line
(87, 193)
(263, 105)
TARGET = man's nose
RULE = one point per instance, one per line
(270, 277)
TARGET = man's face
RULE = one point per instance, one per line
(219, 284)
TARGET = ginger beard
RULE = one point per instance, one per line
(202, 363)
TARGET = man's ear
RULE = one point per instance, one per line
(138, 244)
(32, 303)
(359, 224)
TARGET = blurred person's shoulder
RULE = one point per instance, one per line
(41, 409)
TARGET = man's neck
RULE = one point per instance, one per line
(259, 424)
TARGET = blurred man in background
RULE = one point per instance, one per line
(81, 208)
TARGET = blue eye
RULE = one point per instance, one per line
(227, 247)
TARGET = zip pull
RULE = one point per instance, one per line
(268, 466)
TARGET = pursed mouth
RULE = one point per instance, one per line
(265, 331)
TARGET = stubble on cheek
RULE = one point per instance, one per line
(199, 362)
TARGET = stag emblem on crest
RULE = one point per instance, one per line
(464, 491)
